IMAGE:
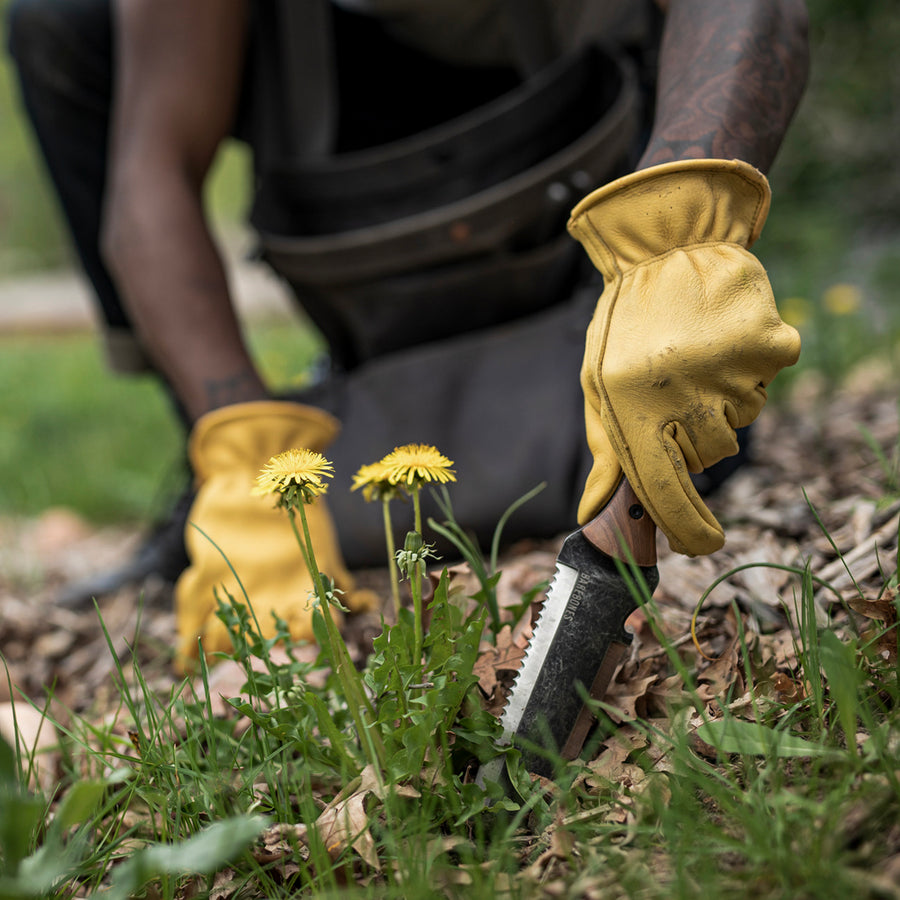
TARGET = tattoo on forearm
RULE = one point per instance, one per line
(240, 387)
(731, 75)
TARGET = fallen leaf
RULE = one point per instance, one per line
(280, 841)
(505, 656)
(345, 822)
(786, 689)
(725, 671)
(628, 696)
(882, 608)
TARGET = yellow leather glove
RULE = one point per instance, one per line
(228, 447)
(685, 337)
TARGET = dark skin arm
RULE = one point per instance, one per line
(177, 84)
(731, 73)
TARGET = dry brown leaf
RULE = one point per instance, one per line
(610, 761)
(628, 697)
(225, 885)
(781, 648)
(505, 656)
(786, 690)
(345, 821)
(725, 671)
(561, 847)
(345, 824)
(666, 694)
(882, 608)
(696, 743)
(281, 841)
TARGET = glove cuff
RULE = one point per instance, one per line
(678, 204)
(251, 433)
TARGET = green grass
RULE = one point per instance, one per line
(759, 794)
(73, 434)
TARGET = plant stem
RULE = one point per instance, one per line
(417, 510)
(415, 583)
(391, 553)
(354, 692)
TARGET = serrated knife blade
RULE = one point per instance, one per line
(580, 637)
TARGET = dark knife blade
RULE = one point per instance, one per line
(580, 637)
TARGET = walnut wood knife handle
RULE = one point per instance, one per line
(624, 519)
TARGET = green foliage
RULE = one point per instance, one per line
(37, 856)
(423, 711)
(839, 156)
(729, 735)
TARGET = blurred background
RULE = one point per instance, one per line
(73, 435)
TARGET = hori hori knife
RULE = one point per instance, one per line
(580, 637)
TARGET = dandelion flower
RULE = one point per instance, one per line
(374, 482)
(294, 475)
(796, 311)
(415, 464)
(842, 299)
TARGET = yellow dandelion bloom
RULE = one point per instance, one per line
(373, 480)
(795, 311)
(295, 472)
(842, 299)
(414, 464)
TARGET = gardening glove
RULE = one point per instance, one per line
(228, 448)
(684, 339)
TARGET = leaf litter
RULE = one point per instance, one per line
(816, 498)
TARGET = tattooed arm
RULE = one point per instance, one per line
(731, 73)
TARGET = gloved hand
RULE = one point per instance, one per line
(685, 337)
(228, 447)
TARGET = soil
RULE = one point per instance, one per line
(821, 492)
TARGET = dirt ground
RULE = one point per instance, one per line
(823, 482)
